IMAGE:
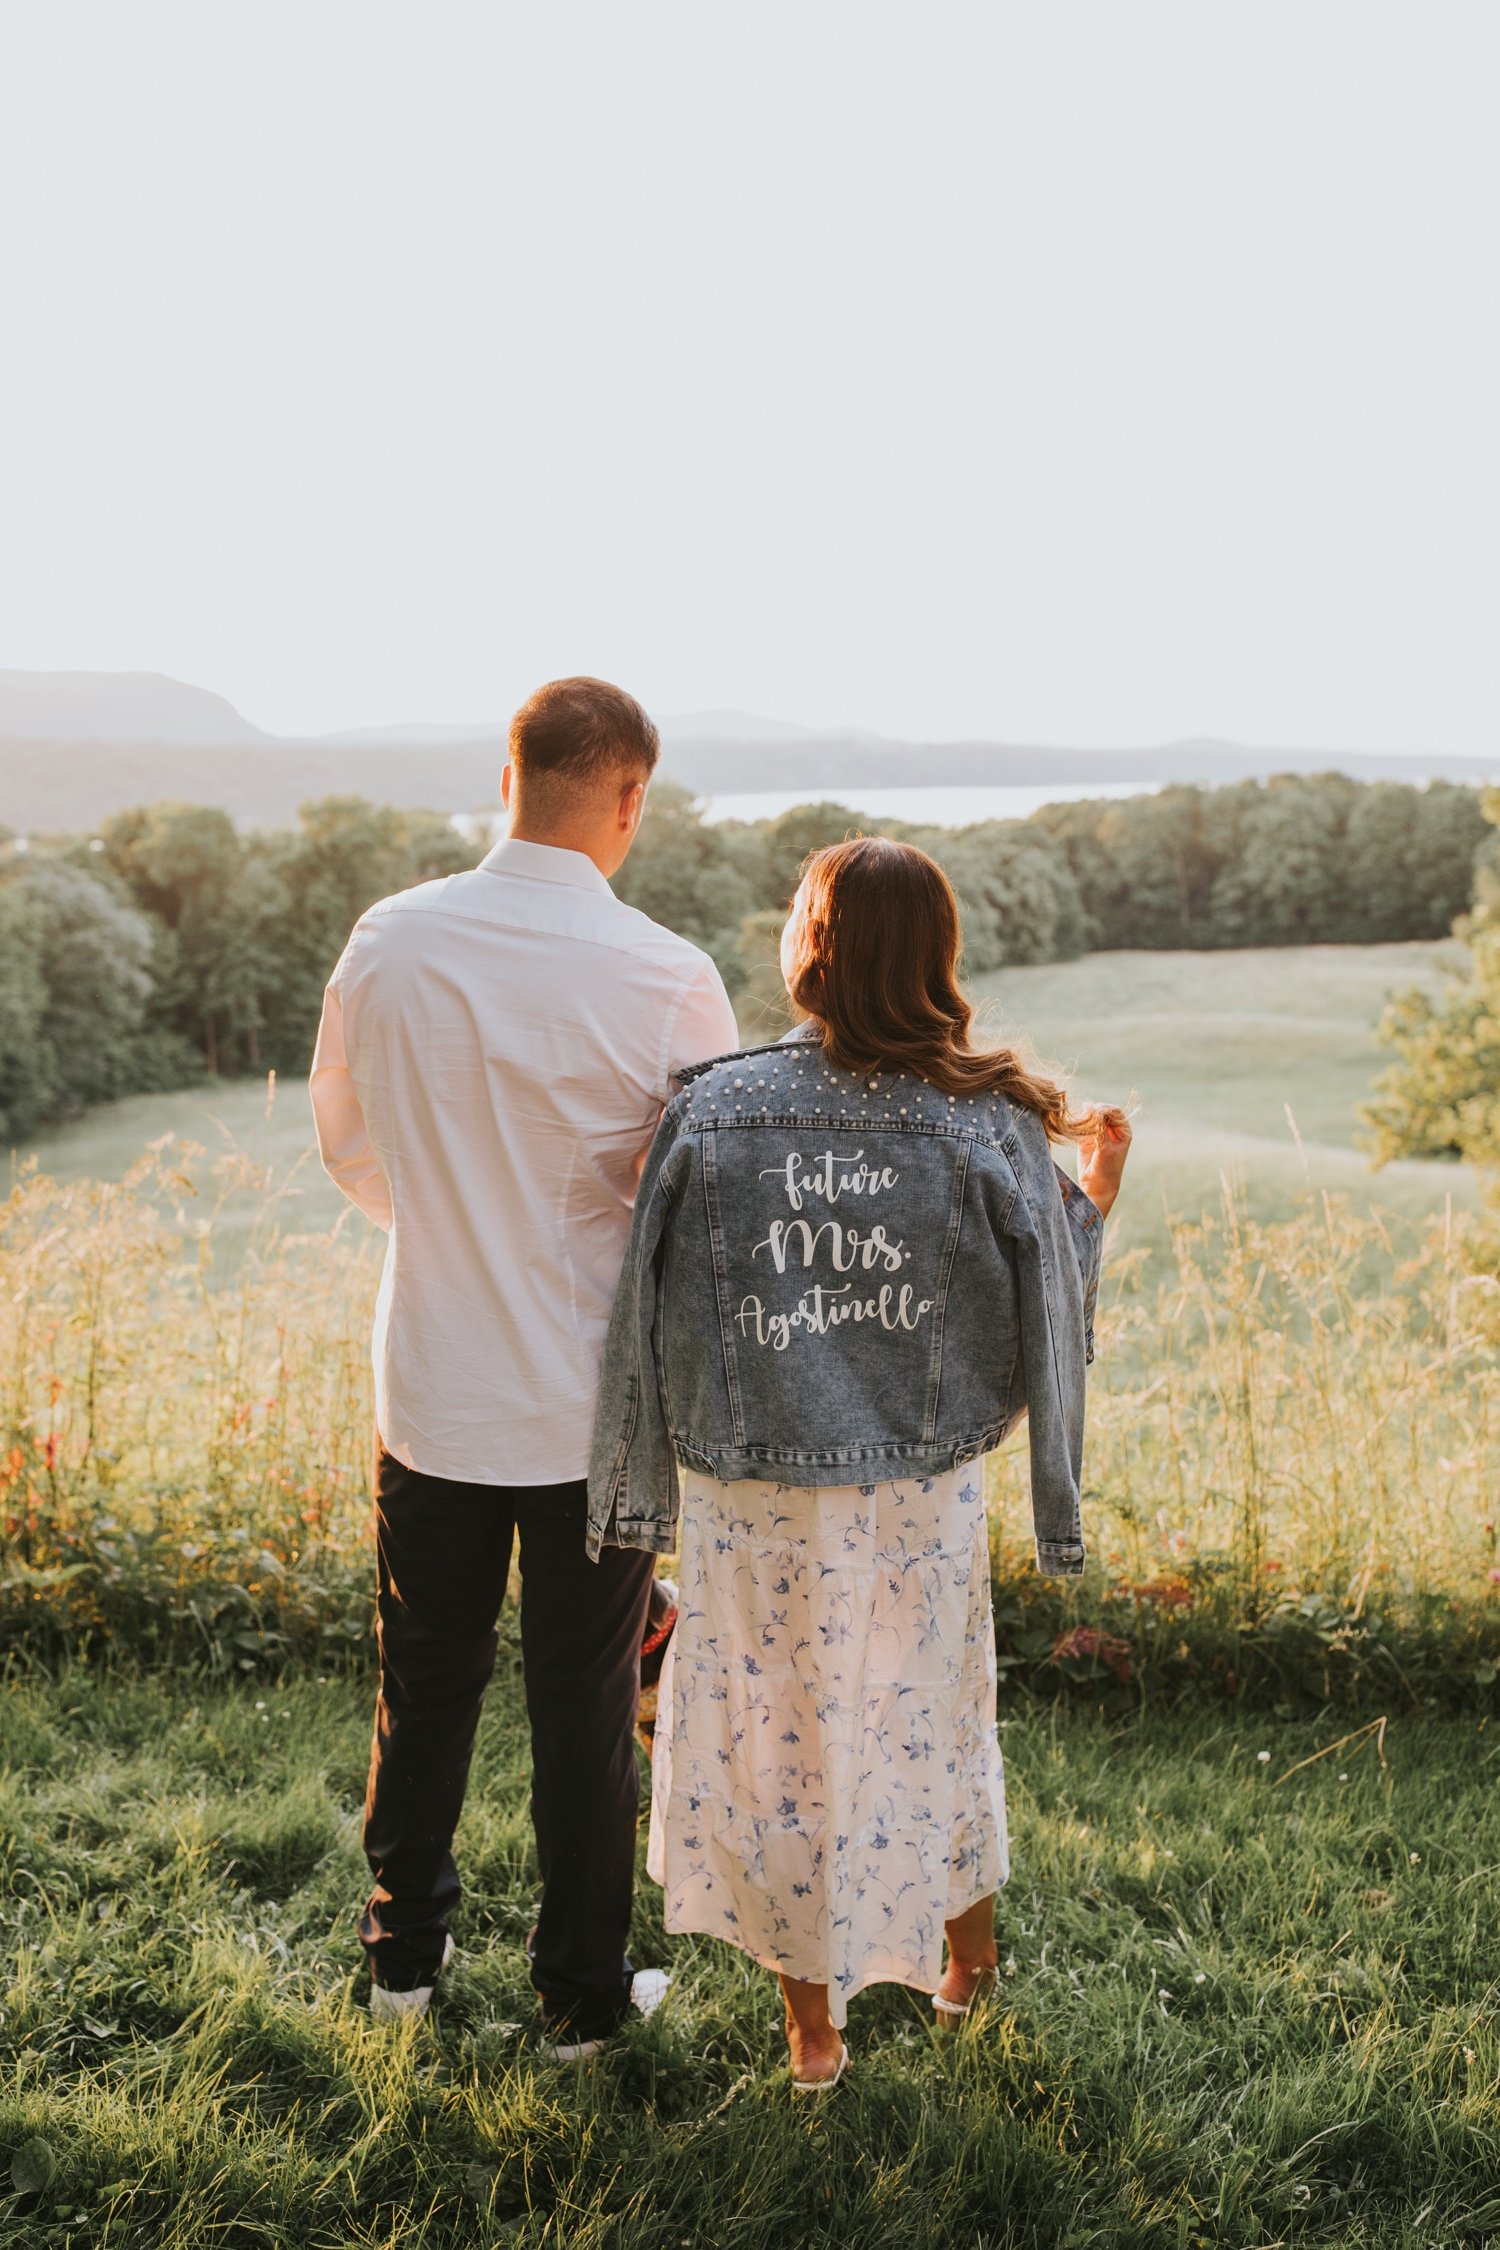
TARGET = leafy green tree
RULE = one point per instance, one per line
(1451, 843)
(1442, 1098)
(1411, 860)
(96, 954)
(185, 865)
(26, 1080)
(1146, 866)
(252, 926)
(682, 871)
(75, 981)
(1286, 884)
(1018, 897)
(760, 993)
(788, 840)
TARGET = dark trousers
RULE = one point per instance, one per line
(444, 1553)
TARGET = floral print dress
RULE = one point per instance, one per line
(827, 1787)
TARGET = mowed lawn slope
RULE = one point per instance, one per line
(1240, 2004)
(1237, 1059)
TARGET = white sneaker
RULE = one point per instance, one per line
(648, 1989)
(392, 2007)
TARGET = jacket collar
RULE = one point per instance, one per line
(544, 863)
(798, 1034)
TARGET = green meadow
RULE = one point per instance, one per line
(1246, 1064)
(1246, 1999)
(1249, 1954)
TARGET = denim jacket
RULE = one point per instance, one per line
(840, 1280)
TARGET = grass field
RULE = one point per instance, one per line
(1219, 1046)
(272, 1123)
(1228, 1051)
(1242, 2004)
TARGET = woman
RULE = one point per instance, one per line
(853, 1268)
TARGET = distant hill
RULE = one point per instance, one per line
(77, 746)
(410, 736)
(824, 764)
(116, 707)
(50, 786)
(732, 726)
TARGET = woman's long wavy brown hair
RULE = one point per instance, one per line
(875, 965)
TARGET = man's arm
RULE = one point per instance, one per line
(703, 1027)
(343, 1140)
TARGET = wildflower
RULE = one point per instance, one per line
(1166, 1593)
(1264, 1757)
(1086, 1641)
(1416, 1858)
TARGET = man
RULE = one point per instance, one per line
(495, 1051)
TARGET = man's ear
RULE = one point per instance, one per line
(632, 804)
(507, 784)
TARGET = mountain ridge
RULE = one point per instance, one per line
(53, 777)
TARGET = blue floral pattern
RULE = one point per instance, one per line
(827, 1787)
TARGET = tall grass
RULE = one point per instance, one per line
(1293, 1460)
(1293, 1465)
(184, 1444)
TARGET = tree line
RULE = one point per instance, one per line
(1441, 1096)
(172, 945)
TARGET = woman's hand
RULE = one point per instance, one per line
(1101, 1161)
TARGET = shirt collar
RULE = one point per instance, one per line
(544, 863)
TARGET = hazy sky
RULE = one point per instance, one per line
(1077, 373)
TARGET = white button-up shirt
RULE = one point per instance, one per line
(495, 1052)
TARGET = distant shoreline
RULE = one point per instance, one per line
(51, 787)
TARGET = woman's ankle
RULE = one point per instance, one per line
(964, 1976)
(816, 2055)
(982, 1961)
(814, 2042)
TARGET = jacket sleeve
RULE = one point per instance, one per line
(633, 1488)
(1051, 1289)
(1086, 1227)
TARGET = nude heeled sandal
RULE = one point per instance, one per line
(951, 2012)
(822, 2085)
